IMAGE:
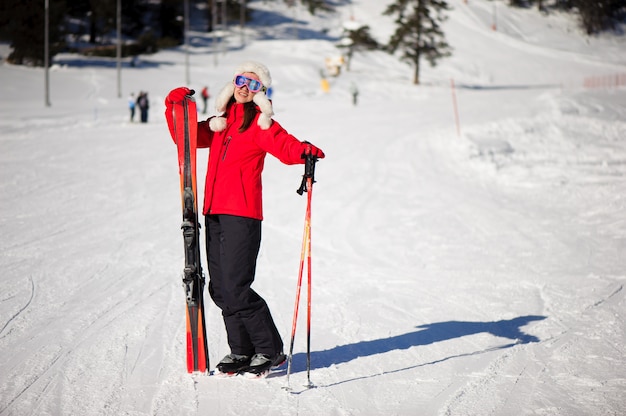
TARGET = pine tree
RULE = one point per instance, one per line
(313, 5)
(595, 16)
(418, 33)
(23, 22)
(357, 38)
(599, 15)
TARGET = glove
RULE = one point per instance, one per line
(177, 95)
(311, 150)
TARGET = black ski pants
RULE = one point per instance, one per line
(232, 245)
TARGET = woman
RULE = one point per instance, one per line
(239, 138)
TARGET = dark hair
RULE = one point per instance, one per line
(249, 113)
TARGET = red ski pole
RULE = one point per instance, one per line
(309, 185)
(306, 186)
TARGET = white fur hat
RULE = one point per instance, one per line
(257, 68)
(260, 99)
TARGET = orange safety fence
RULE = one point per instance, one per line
(605, 81)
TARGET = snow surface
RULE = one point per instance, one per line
(477, 271)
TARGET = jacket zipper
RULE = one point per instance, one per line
(226, 143)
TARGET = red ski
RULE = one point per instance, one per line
(185, 126)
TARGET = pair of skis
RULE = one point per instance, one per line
(185, 117)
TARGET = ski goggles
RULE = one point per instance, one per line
(252, 84)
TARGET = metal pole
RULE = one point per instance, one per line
(224, 25)
(456, 109)
(294, 20)
(187, 77)
(119, 48)
(46, 55)
(214, 16)
(242, 21)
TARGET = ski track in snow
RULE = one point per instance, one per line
(478, 274)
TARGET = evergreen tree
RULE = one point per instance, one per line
(357, 38)
(362, 39)
(418, 33)
(594, 15)
(313, 5)
(97, 18)
(103, 18)
(233, 12)
(599, 15)
(23, 22)
(170, 20)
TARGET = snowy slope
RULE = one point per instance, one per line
(478, 273)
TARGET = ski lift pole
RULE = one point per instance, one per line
(306, 186)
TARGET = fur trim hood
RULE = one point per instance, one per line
(260, 99)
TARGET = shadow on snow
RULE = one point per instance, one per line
(427, 334)
(82, 61)
(507, 87)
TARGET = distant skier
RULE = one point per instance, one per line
(144, 105)
(355, 93)
(205, 98)
(131, 106)
(239, 140)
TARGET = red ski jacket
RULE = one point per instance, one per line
(233, 181)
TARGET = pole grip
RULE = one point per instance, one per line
(309, 166)
(309, 172)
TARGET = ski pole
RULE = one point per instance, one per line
(308, 319)
(297, 301)
(306, 186)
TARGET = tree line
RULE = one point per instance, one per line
(86, 26)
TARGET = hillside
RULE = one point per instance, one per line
(458, 269)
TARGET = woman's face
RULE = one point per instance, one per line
(243, 94)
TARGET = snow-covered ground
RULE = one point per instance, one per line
(470, 272)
